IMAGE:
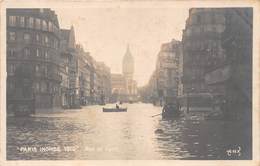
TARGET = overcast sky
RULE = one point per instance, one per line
(105, 33)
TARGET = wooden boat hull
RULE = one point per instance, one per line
(170, 115)
(114, 110)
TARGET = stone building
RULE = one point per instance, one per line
(96, 82)
(93, 78)
(90, 66)
(33, 43)
(167, 69)
(201, 47)
(230, 76)
(124, 87)
(149, 92)
(119, 91)
(152, 88)
(83, 75)
(74, 100)
(67, 53)
(104, 79)
(128, 73)
(128, 69)
(180, 70)
(165, 80)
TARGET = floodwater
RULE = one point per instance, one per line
(90, 134)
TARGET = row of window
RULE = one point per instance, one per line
(207, 45)
(40, 39)
(207, 18)
(206, 28)
(28, 52)
(44, 87)
(43, 69)
(208, 61)
(30, 22)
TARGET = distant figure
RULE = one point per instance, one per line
(117, 106)
(165, 108)
(170, 110)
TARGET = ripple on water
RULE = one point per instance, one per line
(131, 133)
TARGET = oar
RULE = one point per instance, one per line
(156, 115)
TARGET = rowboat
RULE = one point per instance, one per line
(114, 109)
(167, 115)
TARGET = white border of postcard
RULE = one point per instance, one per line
(132, 4)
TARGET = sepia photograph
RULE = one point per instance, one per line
(129, 83)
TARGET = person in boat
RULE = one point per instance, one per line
(165, 109)
(170, 109)
(117, 106)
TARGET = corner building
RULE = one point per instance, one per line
(201, 49)
(231, 76)
(33, 42)
(167, 69)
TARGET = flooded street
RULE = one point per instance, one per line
(90, 134)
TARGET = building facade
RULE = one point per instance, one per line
(67, 53)
(74, 99)
(201, 47)
(124, 87)
(164, 84)
(104, 82)
(230, 76)
(83, 75)
(128, 73)
(180, 70)
(58, 73)
(96, 82)
(149, 92)
(167, 69)
(33, 43)
(128, 69)
(119, 89)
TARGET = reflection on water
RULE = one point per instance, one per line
(91, 134)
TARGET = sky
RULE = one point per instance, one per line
(105, 33)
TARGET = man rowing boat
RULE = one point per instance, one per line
(171, 109)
